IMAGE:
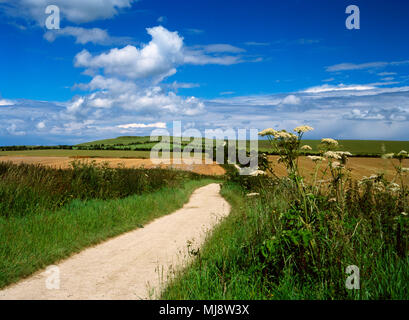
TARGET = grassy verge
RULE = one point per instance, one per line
(31, 242)
(261, 251)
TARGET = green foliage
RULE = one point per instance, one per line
(33, 241)
(268, 248)
(29, 189)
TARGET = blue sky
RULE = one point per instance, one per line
(125, 67)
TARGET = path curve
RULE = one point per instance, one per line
(133, 265)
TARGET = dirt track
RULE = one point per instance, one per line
(133, 265)
(64, 162)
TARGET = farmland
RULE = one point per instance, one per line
(356, 147)
(291, 232)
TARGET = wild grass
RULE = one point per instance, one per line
(28, 189)
(263, 251)
(31, 240)
(293, 240)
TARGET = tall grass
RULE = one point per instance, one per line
(33, 241)
(263, 251)
(293, 240)
(29, 189)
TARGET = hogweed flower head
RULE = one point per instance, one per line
(306, 148)
(303, 129)
(330, 142)
(267, 132)
(336, 164)
(316, 158)
(332, 155)
(285, 135)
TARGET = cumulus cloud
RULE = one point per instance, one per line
(158, 59)
(376, 113)
(77, 11)
(130, 78)
(84, 36)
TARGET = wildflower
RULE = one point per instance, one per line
(379, 187)
(332, 155)
(393, 187)
(267, 132)
(404, 214)
(336, 165)
(255, 194)
(388, 156)
(344, 153)
(330, 142)
(257, 173)
(316, 158)
(284, 135)
(303, 129)
(306, 148)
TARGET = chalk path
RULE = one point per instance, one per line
(135, 265)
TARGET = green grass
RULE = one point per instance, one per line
(118, 140)
(82, 153)
(140, 145)
(262, 251)
(31, 242)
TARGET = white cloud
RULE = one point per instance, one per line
(40, 125)
(383, 74)
(219, 47)
(84, 36)
(162, 19)
(156, 59)
(160, 125)
(12, 129)
(291, 99)
(340, 87)
(4, 102)
(362, 66)
(77, 11)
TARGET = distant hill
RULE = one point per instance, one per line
(356, 147)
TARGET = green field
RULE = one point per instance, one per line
(356, 147)
(140, 146)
